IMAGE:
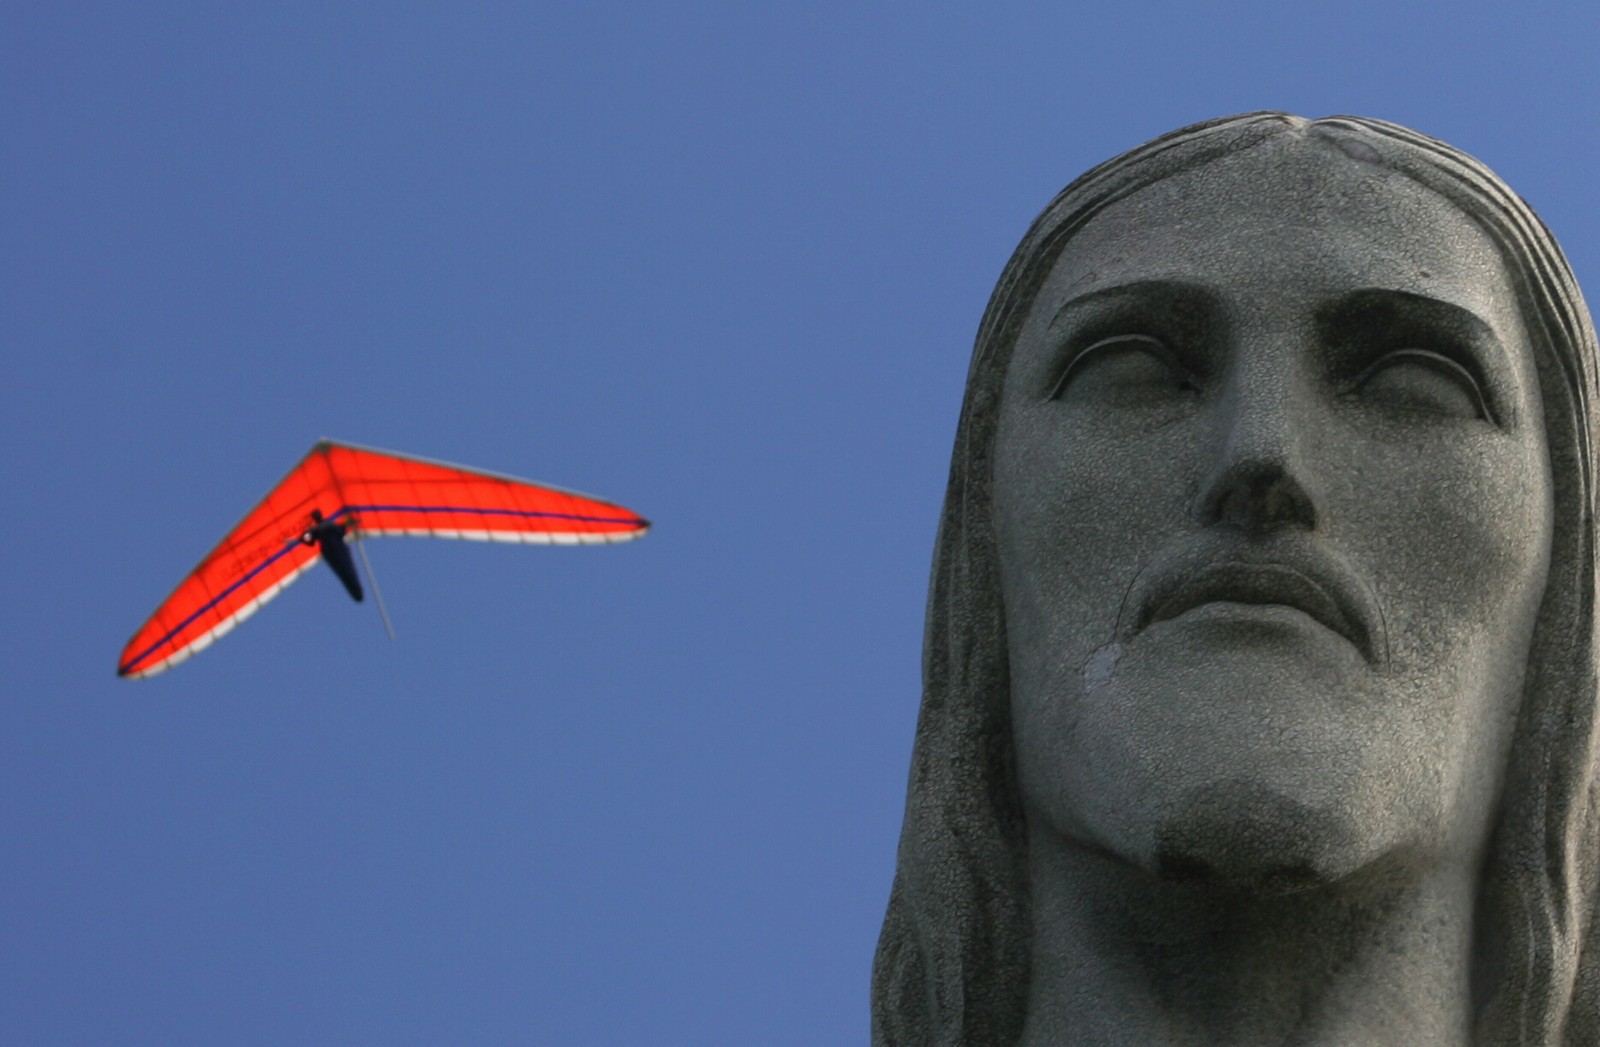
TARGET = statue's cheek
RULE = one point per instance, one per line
(1455, 538)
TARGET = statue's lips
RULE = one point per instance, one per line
(1326, 599)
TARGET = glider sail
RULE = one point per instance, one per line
(373, 493)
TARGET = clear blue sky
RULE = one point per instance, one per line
(719, 262)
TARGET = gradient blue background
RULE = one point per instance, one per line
(719, 262)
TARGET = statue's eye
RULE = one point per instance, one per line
(1127, 370)
(1424, 381)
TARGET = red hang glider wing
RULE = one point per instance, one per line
(375, 493)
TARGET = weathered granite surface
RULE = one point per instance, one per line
(1260, 687)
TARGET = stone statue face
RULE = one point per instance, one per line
(1273, 509)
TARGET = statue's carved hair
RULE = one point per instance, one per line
(952, 961)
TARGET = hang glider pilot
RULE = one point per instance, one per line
(329, 534)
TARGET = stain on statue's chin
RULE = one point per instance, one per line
(1185, 869)
(1241, 836)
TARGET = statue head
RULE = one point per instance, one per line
(1267, 563)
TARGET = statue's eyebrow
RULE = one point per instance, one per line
(1397, 307)
(1161, 295)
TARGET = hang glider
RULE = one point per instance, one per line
(340, 489)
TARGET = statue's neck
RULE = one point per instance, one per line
(1122, 960)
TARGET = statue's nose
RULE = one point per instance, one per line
(1260, 499)
(1258, 482)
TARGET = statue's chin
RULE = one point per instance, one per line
(1242, 835)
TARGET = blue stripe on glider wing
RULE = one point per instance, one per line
(181, 626)
(526, 513)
